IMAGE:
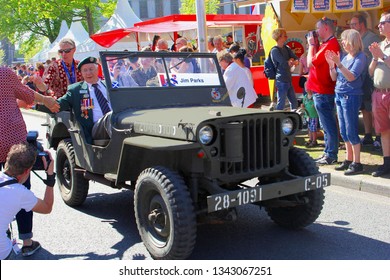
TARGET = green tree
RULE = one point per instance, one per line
(29, 21)
(189, 7)
(2, 57)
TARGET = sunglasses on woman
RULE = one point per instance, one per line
(65, 50)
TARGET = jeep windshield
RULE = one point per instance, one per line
(163, 79)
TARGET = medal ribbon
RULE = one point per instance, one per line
(72, 78)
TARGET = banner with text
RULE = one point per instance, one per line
(341, 6)
(321, 6)
(364, 5)
(300, 6)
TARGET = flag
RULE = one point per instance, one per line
(255, 9)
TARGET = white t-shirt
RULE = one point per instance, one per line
(236, 77)
(13, 198)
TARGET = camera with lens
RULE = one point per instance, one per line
(311, 33)
(32, 139)
(314, 34)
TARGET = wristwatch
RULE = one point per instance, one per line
(385, 57)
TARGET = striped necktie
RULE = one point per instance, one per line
(103, 103)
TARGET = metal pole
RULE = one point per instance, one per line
(201, 21)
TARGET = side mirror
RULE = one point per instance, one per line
(241, 95)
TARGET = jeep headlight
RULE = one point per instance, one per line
(287, 126)
(206, 135)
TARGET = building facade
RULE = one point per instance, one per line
(148, 9)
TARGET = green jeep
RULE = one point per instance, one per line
(186, 153)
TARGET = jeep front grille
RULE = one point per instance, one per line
(261, 146)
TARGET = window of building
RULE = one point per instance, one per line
(143, 9)
(175, 7)
(159, 8)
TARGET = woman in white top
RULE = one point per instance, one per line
(235, 78)
(239, 58)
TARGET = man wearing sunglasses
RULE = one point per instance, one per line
(62, 72)
(379, 69)
(322, 86)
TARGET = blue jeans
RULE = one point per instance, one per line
(25, 219)
(325, 106)
(348, 114)
(286, 90)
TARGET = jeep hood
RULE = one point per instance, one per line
(177, 123)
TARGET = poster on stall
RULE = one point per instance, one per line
(344, 6)
(364, 5)
(300, 6)
(321, 6)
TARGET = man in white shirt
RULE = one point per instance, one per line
(14, 196)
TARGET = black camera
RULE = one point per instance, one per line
(314, 34)
(32, 139)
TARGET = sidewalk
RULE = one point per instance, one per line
(364, 182)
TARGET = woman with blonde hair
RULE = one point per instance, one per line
(349, 73)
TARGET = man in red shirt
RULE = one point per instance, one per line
(322, 86)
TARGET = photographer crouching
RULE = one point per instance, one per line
(14, 196)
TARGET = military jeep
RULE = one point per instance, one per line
(187, 154)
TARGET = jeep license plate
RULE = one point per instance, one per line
(227, 200)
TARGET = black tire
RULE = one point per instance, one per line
(164, 214)
(73, 186)
(300, 164)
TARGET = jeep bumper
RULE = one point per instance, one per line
(258, 193)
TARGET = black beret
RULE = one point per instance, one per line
(87, 60)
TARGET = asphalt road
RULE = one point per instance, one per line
(352, 226)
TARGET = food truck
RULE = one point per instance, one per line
(253, 31)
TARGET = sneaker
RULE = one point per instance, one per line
(382, 170)
(343, 166)
(354, 168)
(325, 161)
(30, 250)
(367, 140)
(320, 157)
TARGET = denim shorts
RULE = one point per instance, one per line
(348, 107)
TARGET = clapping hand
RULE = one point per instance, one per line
(332, 58)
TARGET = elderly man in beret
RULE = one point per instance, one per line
(89, 102)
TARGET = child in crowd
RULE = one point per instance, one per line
(312, 115)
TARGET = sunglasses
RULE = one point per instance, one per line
(383, 22)
(65, 50)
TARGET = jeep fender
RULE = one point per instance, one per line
(141, 152)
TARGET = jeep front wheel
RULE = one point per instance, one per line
(73, 186)
(296, 217)
(164, 213)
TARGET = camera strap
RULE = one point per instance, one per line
(9, 182)
(50, 180)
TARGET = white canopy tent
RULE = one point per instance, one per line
(123, 17)
(76, 32)
(43, 54)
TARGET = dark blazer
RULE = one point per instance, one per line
(72, 101)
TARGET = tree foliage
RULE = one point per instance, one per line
(189, 7)
(2, 55)
(29, 21)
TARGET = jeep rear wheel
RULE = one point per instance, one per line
(164, 213)
(300, 164)
(73, 186)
